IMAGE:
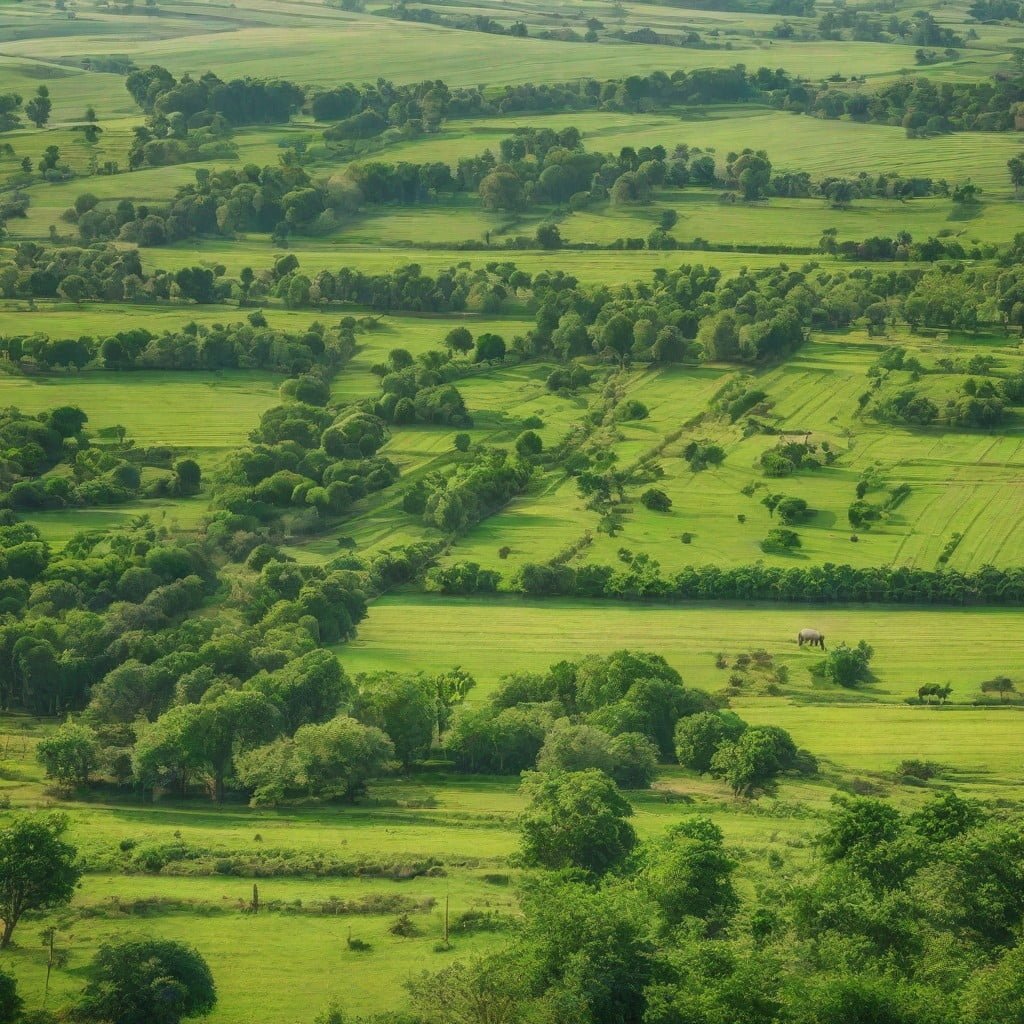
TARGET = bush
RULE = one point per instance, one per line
(780, 541)
(656, 500)
(848, 666)
(631, 410)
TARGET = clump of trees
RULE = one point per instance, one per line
(619, 715)
(659, 930)
(746, 758)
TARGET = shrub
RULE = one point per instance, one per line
(656, 500)
(780, 540)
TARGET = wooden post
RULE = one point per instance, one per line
(255, 898)
(446, 920)
(49, 966)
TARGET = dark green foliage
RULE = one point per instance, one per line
(688, 874)
(147, 981)
(37, 868)
(576, 819)
(848, 666)
(656, 500)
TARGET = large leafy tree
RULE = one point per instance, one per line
(70, 755)
(147, 981)
(333, 759)
(37, 868)
(688, 874)
(576, 819)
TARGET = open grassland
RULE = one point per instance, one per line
(57, 527)
(703, 214)
(793, 142)
(333, 45)
(965, 481)
(291, 960)
(100, 319)
(491, 637)
(191, 410)
(980, 747)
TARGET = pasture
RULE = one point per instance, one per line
(490, 637)
(204, 411)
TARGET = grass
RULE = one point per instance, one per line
(412, 632)
(266, 966)
(199, 410)
(303, 48)
(597, 267)
(793, 142)
(965, 481)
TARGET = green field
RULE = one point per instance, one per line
(191, 410)
(492, 637)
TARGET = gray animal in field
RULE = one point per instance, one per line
(812, 637)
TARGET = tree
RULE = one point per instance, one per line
(699, 736)
(459, 339)
(1002, 685)
(37, 110)
(147, 981)
(331, 760)
(752, 173)
(656, 500)
(688, 874)
(848, 666)
(502, 190)
(548, 236)
(577, 819)
(529, 444)
(10, 1002)
(575, 748)
(719, 337)
(995, 994)
(1015, 165)
(614, 339)
(585, 950)
(74, 288)
(488, 347)
(70, 755)
(751, 761)
(404, 707)
(480, 991)
(37, 868)
(187, 476)
(966, 193)
(780, 540)
(67, 420)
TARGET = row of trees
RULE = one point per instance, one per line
(819, 584)
(250, 345)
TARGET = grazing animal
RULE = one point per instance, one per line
(812, 637)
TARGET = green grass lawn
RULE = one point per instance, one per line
(793, 142)
(200, 410)
(304, 49)
(412, 632)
